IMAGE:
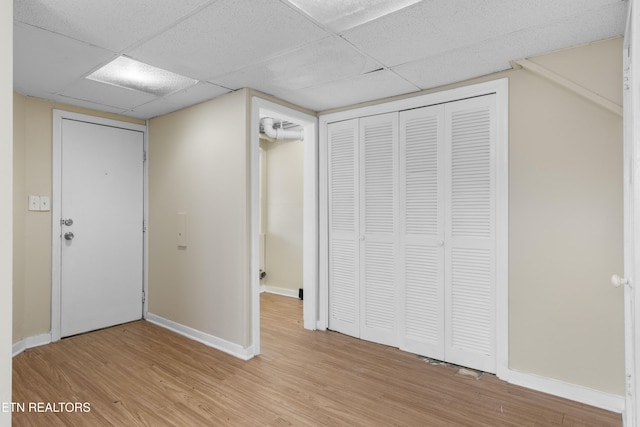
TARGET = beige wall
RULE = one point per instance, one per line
(565, 219)
(198, 163)
(32, 142)
(283, 213)
(6, 178)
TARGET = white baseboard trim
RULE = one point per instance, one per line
(202, 337)
(588, 396)
(293, 293)
(30, 342)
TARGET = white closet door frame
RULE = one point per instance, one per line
(498, 87)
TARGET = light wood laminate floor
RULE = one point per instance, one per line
(141, 374)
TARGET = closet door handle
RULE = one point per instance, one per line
(617, 281)
(441, 243)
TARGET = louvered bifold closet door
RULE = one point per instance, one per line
(378, 219)
(344, 257)
(470, 253)
(422, 231)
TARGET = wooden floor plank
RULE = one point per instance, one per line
(139, 374)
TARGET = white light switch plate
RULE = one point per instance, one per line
(34, 203)
(44, 203)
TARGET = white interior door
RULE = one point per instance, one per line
(422, 231)
(344, 252)
(102, 239)
(470, 233)
(378, 234)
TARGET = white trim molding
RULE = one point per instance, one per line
(588, 396)
(631, 188)
(30, 342)
(209, 340)
(285, 292)
(568, 84)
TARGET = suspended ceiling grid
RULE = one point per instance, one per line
(316, 54)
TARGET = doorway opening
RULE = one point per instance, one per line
(281, 178)
(284, 220)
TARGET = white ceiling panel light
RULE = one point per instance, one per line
(341, 15)
(131, 74)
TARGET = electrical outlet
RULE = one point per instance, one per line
(44, 203)
(34, 203)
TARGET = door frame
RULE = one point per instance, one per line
(310, 211)
(56, 197)
(631, 159)
(500, 88)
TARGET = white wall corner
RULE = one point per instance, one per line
(228, 347)
(30, 342)
(588, 396)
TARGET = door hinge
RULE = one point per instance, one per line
(144, 156)
(144, 297)
(625, 78)
(144, 226)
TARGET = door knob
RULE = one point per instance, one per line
(617, 281)
(68, 235)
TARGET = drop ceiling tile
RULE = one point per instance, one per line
(44, 62)
(599, 24)
(201, 92)
(455, 66)
(429, 43)
(327, 60)
(367, 87)
(158, 107)
(494, 55)
(436, 26)
(113, 24)
(227, 36)
(105, 94)
(86, 104)
(342, 15)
